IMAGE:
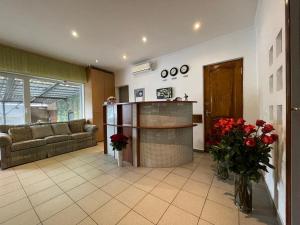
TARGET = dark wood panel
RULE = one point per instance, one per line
(197, 118)
(105, 129)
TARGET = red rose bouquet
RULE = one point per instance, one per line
(118, 141)
(245, 148)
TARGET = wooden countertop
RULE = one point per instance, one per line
(145, 102)
(152, 127)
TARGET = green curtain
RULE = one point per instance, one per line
(19, 61)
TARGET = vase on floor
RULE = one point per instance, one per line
(243, 193)
(120, 158)
(222, 170)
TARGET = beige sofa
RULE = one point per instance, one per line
(26, 143)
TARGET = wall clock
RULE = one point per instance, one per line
(184, 69)
(173, 71)
(164, 73)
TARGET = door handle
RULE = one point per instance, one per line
(207, 113)
(295, 108)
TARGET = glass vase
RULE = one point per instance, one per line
(243, 193)
(222, 170)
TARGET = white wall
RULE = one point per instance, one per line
(232, 46)
(270, 20)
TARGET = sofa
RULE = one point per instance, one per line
(21, 144)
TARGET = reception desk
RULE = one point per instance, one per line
(160, 132)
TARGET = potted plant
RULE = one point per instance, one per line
(119, 142)
(248, 150)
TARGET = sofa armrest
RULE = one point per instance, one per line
(5, 140)
(90, 128)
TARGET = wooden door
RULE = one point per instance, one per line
(223, 92)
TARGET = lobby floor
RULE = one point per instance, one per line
(87, 188)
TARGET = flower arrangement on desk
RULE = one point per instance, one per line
(119, 142)
(243, 149)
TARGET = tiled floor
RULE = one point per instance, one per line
(87, 188)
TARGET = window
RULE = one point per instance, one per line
(38, 100)
(11, 100)
(55, 101)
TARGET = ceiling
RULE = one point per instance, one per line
(108, 29)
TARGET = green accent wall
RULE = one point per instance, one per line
(19, 61)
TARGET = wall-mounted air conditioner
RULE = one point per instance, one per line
(142, 67)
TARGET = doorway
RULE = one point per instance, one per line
(223, 92)
(123, 94)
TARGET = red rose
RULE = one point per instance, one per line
(266, 139)
(274, 137)
(249, 129)
(267, 128)
(240, 121)
(250, 142)
(260, 123)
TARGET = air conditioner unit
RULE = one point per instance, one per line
(140, 68)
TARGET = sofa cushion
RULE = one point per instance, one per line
(41, 131)
(81, 135)
(20, 133)
(61, 128)
(56, 138)
(27, 144)
(76, 126)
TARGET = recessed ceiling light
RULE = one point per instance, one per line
(124, 56)
(144, 39)
(97, 60)
(197, 26)
(74, 34)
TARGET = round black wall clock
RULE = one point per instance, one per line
(173, 71)
(184, 69)
(164, 73)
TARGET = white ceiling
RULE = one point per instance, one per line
(109, 28)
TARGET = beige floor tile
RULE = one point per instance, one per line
(87, 221)
(142, 170)
(197, 188)
(83, 169)
(32, 180)
(27, 218)
(118, 172)
(152, 208)
(81, 191)
(91, 174)
(146, 183)
(53, 206)
(202, 176)
(189, 202)
(45, 195)
(10, 188)
(131, 196)
(177, 216)
(34, 188)
(115, 187)
(57, 171)
(71, 183)
(159, 173)
(63, 176)
(175, 180)
(203, 222)
(132, 218)
(111, 213)
(14, 209)
(226, 215)
(222, 196)
(131, 177)
(182, 172)
(7, 173)
(11, 197)
(227, 185)
(73, 163)
(71, 215)
(191, 166)
(93, 201)
(107, 166)
(8, 180)
(165, 192)
(102, 180)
